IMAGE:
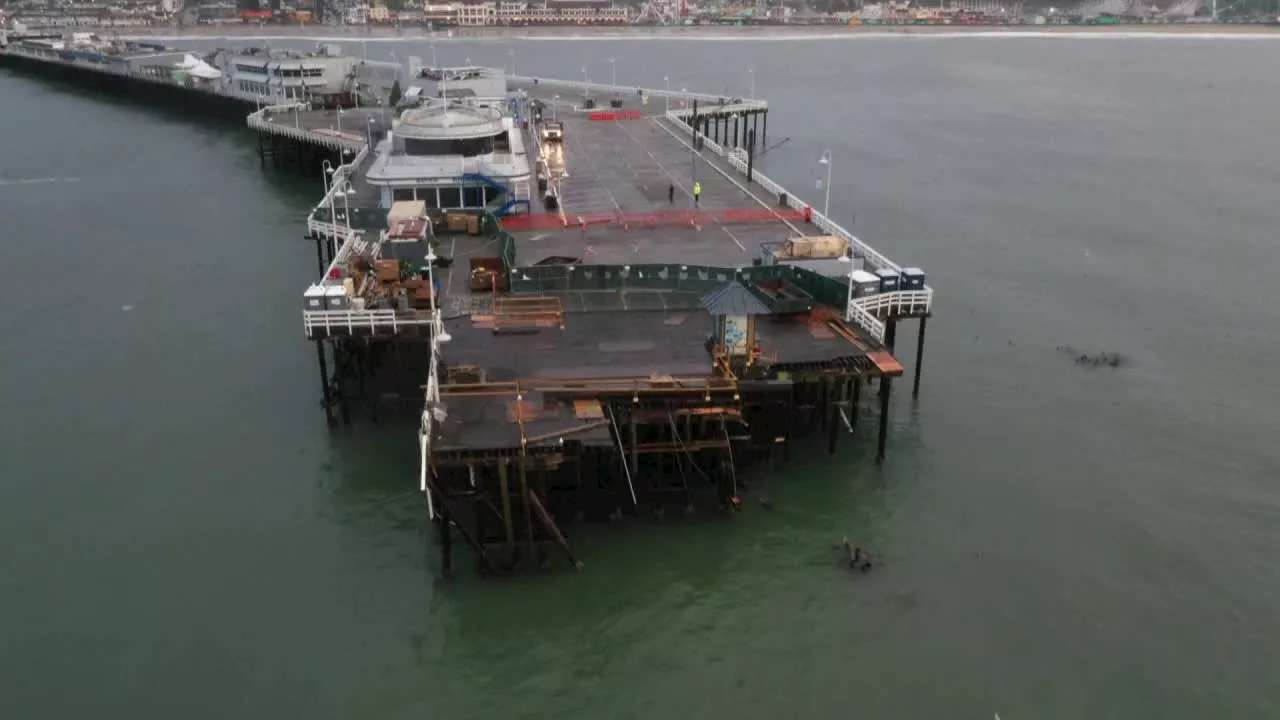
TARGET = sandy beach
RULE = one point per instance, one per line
(761, 33)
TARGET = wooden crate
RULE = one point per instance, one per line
(388, 269)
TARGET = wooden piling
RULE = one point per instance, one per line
(326, 393)
(886, 385)
(446, 541)
(915, 386)
(506, 504)
(552, 528)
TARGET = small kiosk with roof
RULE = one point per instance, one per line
(733, 343)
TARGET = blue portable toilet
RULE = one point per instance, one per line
(912, 278)
(888, 279)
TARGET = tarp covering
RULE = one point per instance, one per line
(195, 67)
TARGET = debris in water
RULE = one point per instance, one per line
(1099, 359)
(856, 558)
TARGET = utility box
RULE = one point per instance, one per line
(912, 278)
(314, 298)
(889, 279)
(336, 298)
(864, 283)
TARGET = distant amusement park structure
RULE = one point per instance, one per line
(663, 12)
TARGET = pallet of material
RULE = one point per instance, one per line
(406, 210)
(388, 269)
(822, 246)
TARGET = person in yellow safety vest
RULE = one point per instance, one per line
(697, 193)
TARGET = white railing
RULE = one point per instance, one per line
(899, 302)
(918, 301)
(261, 122)
(716, 108)
(631, 90)
(738, 162)
(352, 320)
(866, 310)
(340, 175)
(865, 320)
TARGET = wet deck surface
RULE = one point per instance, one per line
(353, 124)
(647, 166)
(616, 168)
(637, 344)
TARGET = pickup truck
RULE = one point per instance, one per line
(552, 131)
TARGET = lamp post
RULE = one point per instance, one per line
(826, 160)
(512, 54)
(848, 303)
(667, 80)
(752, 73)
(555, 106)
(438, 334)
(438, 337)
(613, 69)
(346, 191)
(333, 210)
(586, 83)
(693, 152)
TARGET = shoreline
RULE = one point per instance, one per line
(700, 32)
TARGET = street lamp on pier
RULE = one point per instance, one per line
(826, 160)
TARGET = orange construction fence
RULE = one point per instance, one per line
(570, 221)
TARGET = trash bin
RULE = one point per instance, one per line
(782, 199)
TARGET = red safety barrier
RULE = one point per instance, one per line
(551, 221)
(619, 115)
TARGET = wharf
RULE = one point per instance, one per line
(592, 373)
(348, 130)
(138, 69)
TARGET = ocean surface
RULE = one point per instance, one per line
(181, 536)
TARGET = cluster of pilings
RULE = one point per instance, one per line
(731, 126)
(157, 91)
(673, 451)
(288, 153)
(367, 376)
